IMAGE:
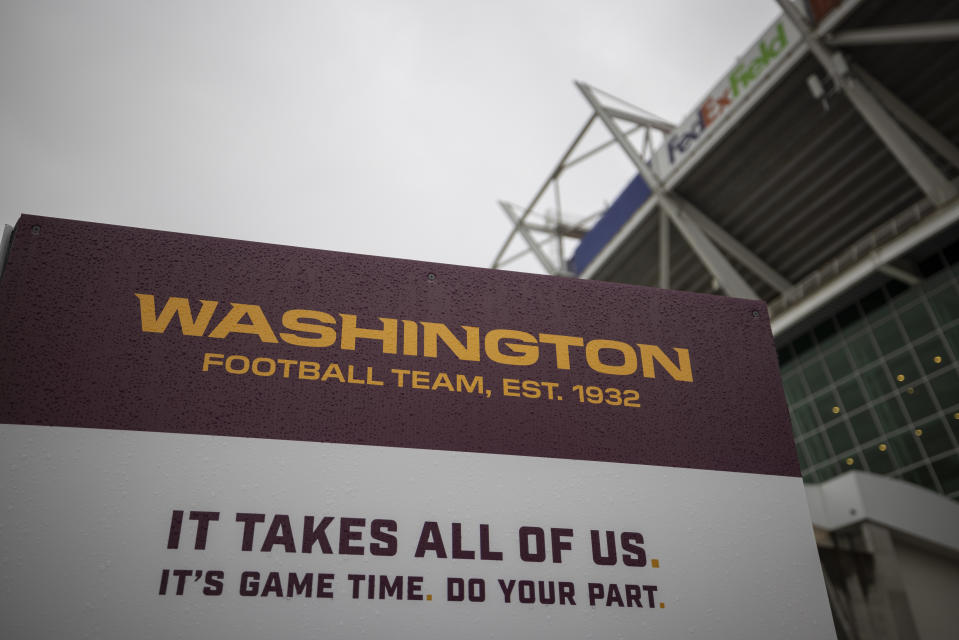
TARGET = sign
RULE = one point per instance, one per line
(727, 95)
(214, 438)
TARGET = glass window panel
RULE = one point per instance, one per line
(848, 317)
(840, 439)
(862, 350)
(916, 321)
(935, 437)
(804, 419)
(876, 381)
(918, 402)
(864, 427)
(827, 406)
(903, 365)
(879, 461)
(928, 351)
(888, 336)
(946, 388)
(816, 448)
(952, 337)
(794, 389)
(850, 395)
(947, 470)
(921, 476)
(945, 304)
(837, 363)
(815, 376)
(904, 449)
(890, 415)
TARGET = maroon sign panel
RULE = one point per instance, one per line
(112, 327)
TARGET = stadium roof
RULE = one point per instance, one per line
(823, 162)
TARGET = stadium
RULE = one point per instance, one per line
(819, 175)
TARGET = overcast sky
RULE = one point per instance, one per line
(387, 128)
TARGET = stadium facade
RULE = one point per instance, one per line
(820, 175)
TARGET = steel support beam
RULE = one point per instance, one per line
(910, 119)
(919, 167)
(897, 34)
(729, 279)
(902, 272)
(634, 156)
(520, 226)
(736, 249)
(524, 252)
(660, 125)
(872, 262)
(539, 194)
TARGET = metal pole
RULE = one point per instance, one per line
(896, 34)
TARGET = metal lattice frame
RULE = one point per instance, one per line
(891, 120)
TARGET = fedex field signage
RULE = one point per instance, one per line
(756, 64)
(212, 438)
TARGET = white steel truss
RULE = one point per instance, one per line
(890, 119)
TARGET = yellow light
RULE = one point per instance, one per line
(956, 415)
(850, 462)
(883, 447)
(835, 409)
(910, 391)
(937, 359)
(900, 377)
(918, 432)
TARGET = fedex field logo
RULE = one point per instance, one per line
(740, 78)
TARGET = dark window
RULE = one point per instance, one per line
(921, 476)
(888, 336)
(850, 395)
(905, 449)
(935, 437)
(838, 363)
(916, 321)
(918, 402)
(879, 461)
(890, 415)
(946, 388)
(945, 304)
(840, 439)
(947, 470)
(864, 427)
(862, 350)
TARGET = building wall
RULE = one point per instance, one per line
(932, 584)
(876, 387)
